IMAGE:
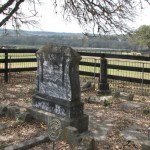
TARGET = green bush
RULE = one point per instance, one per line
(107, 102)
(2, 146)
(146, 110)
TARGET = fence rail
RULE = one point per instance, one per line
(13, 60)
(14, 56)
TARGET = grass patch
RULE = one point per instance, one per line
(146, 111)
(107, 102)
(2, 146)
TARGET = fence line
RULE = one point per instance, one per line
(11, 61)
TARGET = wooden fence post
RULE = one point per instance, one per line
(6, 67)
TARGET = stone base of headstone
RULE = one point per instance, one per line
(60, 107)
(103, 89)
(81, 122)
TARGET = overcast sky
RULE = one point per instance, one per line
(49, 21)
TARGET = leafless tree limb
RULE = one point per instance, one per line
(11, 11)
(104, 16)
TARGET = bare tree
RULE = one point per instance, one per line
(11, 11)
(103, 15)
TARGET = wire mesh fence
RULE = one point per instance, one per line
(124, 80)
(134, 82)
(18, 68)
(92, 69)
(126, 76)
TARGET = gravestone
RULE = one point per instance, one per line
(103, 86)
(58, 88)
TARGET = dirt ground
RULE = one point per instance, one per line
(21, 94)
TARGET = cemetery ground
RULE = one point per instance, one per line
(110, 122)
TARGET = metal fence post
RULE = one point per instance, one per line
(6, 67)
(103, 87)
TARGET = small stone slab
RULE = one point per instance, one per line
(133, 133)
(87, 86)
(99, 99)
(29, 143)
(123, 95)
(129, 106)
(4, 126)
(100, 130)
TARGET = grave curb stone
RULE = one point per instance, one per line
(29, 143)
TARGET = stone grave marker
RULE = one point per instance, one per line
(58, 88)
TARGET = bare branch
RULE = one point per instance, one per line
(103, 16)
(15, 9)
(6, 5)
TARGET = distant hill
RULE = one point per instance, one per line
(11, 32)
(25, 38)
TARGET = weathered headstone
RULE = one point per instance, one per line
(103, 86)
(58, 87)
